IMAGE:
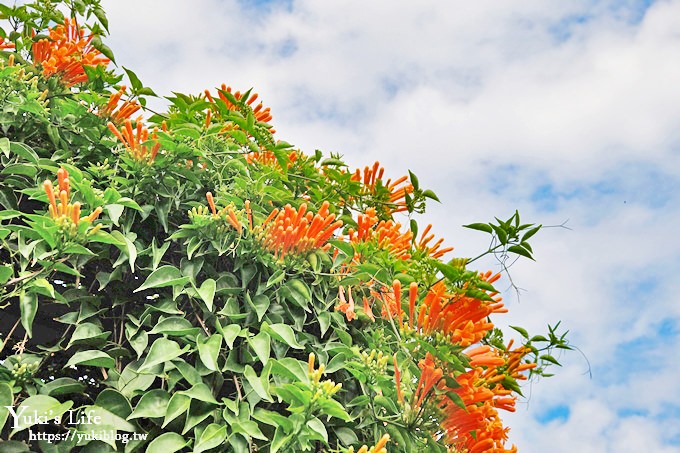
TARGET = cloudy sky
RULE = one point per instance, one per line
(567, 111)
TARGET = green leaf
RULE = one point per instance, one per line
(551, 359)
(153, 404)
(260, 303)
(212, 436)
(177, 406)
(162, 350)
(28, 302)
(200, 392)
(479, 227)
(45, 407)
(530, 233)
(134, 80)
(230, 332)
(283, 333)
(261, 344)
(103, 48)
(518, 249)
(58, 387)
(167, 443)
(91, 358)
(4, 146)
(209, 351)
(158, 252)
(319, 428)
(522, 331)
(431, 195)
(162, 277)
(452, 273)
(88, 333)
(130, 249)
(257, 384)
(333, 409)
(207, 292)
(276, 277)
(298, 292)
(414, 180)
(6, 399)
(175, 326)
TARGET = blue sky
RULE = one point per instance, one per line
(567, 111)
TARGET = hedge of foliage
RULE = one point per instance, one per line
(190, 282)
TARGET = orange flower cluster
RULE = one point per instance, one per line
(134, 141)
(66, 53)
(398, 189)
(296, 231)
(259, 112)
(461, 317)
(269, 158)
(5, 45)
(386, 233)
(226, 212)
(432, 250)
(482, 392)
(64, 211)
(119, 113)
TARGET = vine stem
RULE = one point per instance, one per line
(16, 324)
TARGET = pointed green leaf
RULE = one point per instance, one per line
(212, 436)
(162, 277)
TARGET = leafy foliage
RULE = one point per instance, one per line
(191, 282)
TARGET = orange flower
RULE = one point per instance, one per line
(5, 45)
(462, 317)
(397, 380)
(296, 230)
(386, 234)
(434, 251)
(259, 112)
(118, 114)
(346, 307)
(134, 141)
(227, 213)
(60, 209)
(372, 177)
(66, 53)
(368, 310)
(377, 448)
(269, 158)
(429, 377)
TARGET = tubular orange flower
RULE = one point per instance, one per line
(412, 296)
(134, 140)
(259, 112)
(5, 45)
(397, 380)
(372, 177)
(269, 158)
(296, 231)
(377, 448)
(119, 113)
(386, 234)
(434, 250)
(461, 317)
(60, 209)
(368, 310)
(429, 377)
(66, 53)
(396, 287)
(225, 214)
(346, 307)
